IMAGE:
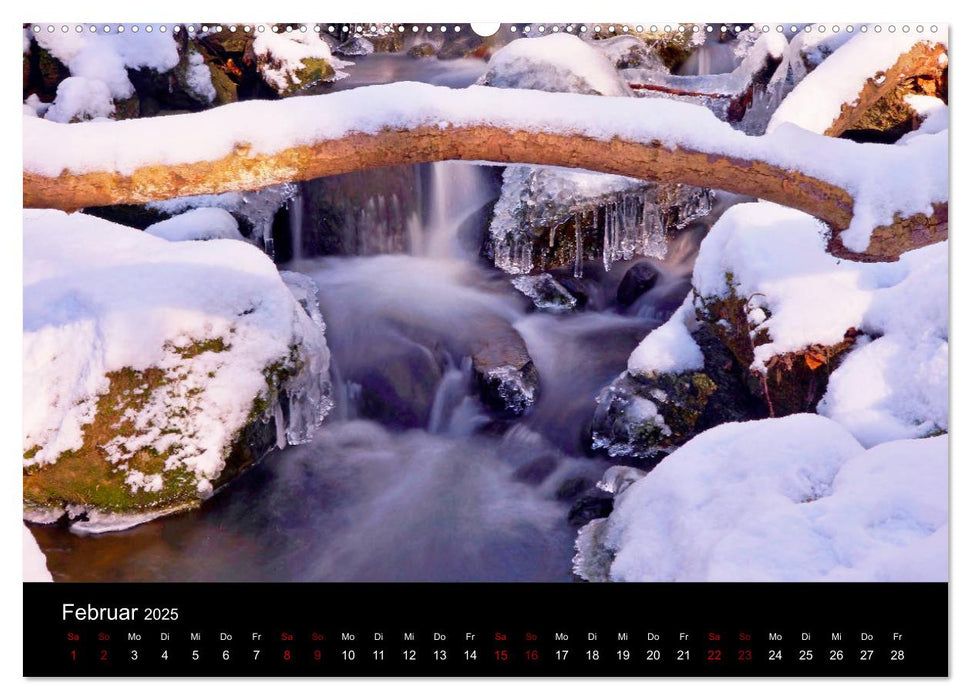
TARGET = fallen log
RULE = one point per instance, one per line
(647, 139)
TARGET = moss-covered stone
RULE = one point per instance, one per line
(87, 478)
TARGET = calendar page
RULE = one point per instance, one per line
(538, 349)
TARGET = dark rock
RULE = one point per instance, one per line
(573, 487)
(640, 277)
(589, 506)
(508, 381)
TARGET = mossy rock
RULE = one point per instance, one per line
(88, 479)
(226, 91)
(641, 416)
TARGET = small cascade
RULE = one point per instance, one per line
(455, 412)
(454, 192)
(295, 210)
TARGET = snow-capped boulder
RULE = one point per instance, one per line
(156, 369)
(789, 499)
(295, 61)
(780, 326)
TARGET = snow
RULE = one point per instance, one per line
(787, 499)
(668, 348)
(814, 104)
(554, 63)
(35, 563)
(81, 99)
(896, 386)
(883, 179)
(201, 224)
(198, 78)
(106, 56)
(100, 297)
(933, 114)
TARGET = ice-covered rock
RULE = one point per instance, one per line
(790, 499)
(157, 369)
(545, 292)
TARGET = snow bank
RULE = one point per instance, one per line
(814, 104)
(201, 224)
(896, 386)
(883, 179)
(106, 56)
(213, 316)
(35, 563)
(788, 499)
(554, 63)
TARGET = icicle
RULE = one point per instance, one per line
(578, 255)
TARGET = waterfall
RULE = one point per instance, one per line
(295, 209)
(455, 191)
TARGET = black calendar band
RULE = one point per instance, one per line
(361, 629)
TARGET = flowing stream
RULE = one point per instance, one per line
(412, 477)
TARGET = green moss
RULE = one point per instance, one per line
(85, 476)
(314, 71)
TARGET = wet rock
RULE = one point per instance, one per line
(591, 505)
(640, 278)
(360, 213)
(547, 294)
(572, 487)
(398, 386)
(422, 50)
(508, 379)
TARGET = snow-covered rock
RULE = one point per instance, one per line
(788, 499)
(291, 61)
(554, 63)
(81, 99)
(152, 366)
(106, 56)
(35, 563)
(203, 224)
(863, 343)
